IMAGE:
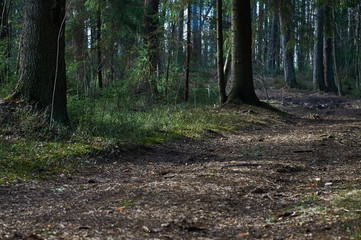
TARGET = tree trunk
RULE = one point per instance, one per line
(357, 43)
(42, 58)
(220, 63)
(242, 75)
(151, 38)
(180, 56)
(188, 53)
(78, 42)
(336, 77)
(328, 51)
(287, 45)
(274, 46)
(260, 35)
(302, 46)
(99, 48)
(197, 34)
(318, 69)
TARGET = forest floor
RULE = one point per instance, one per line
(296, 176)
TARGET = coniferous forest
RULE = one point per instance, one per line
(180, 119)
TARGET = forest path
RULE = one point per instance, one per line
(277, 180)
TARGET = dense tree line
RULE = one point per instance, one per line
(174, 50)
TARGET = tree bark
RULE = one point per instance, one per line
(220, 62)
(42, 62)
(318, 69)
(242, 75)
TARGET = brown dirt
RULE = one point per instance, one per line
(261, 182)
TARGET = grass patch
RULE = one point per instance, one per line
(341, 210)
(23, 160)
(149, 125)
(31, 149)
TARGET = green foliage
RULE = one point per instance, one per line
(31, 159)
(7, 73)
(31, 149)
(139, 122)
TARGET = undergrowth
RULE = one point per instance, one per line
(31, 149)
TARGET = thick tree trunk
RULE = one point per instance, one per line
(287, 47)
(318, 69)
(42, 60)
(242, 75)
(151, 37)
(220, 62)
(188, 53)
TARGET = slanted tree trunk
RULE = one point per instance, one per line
(220, 62)
(242, 75)
(151, 38)
(42, 61)
(286, 20)
(318, 69)
(188, 53)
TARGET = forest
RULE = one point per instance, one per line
(180, 119)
